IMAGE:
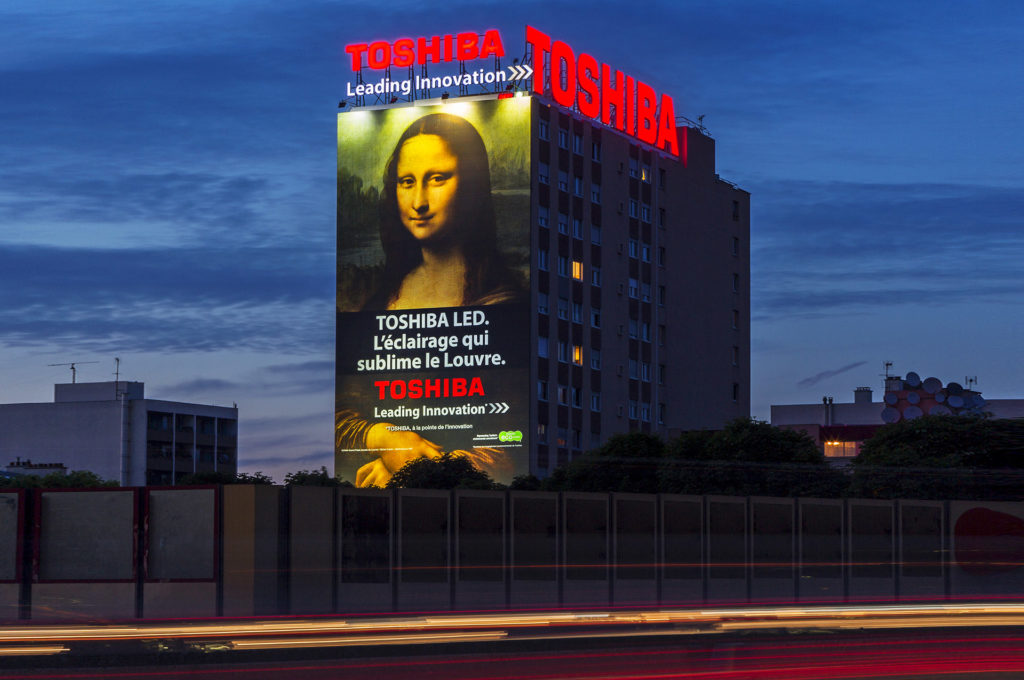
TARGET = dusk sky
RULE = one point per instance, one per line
(167, 187)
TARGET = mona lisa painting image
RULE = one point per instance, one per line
(433, 223)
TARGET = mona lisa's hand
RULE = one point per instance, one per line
(398, 447)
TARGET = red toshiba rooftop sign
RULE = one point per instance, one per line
(573, 80)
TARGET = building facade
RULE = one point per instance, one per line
(113, 430)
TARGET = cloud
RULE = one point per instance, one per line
(818, 377)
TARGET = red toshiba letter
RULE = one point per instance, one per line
(613, 95)
(667, 138)
(491, 45)
(381, 386)
(587, 75)
(541, 46)
(476, 387)
(379, 55)
(563, 62)
(357, 55)
(433, 51)
(405, 54)
(466, 48)
(646, 122)
(630, 107)
(458, 387)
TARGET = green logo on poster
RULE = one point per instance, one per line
(511, 436)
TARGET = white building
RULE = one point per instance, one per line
(111, 429)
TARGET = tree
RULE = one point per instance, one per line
(626, 462)
(313, 478)
(449, 471)
(943, 457)
(77, 479)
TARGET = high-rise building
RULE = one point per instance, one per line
(113, 430)
(520, 279)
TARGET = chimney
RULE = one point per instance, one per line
(862, 395)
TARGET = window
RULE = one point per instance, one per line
(595, 359)
(542, 390)
(595, 318)
(634, 247)
(542, 432)
(634, 167)
(735, 211)
(645, 292)
(661, 256)
(577, 185)
(645, 371)
(645, 252)
(577, 355)
(661, 218)
(735, 318)
(563, 265)
(577, 312)
(542, 303)
(563, 139)
(634, 288)
(661, 414)
(543, 131)
(645, 331)
(576, 438)
(542, 216)
(645, 174)
(542, 346)
(577, 143)
(661, 177)
(661, 334)
(595, 401)
(735, 355)
(563, 180)
(563, 435)
(543, 173)
(633, 411)
(735, 283)
(542, 260)
(563, 224)
(577, 270)
(661, 374)
(595, 152)
(645, 412)
(735, 246)
(577, 227)
(595, 193)
(575, 397)
(595, 276)
(595, 234)
(633, 328)
(735, 391)
(563, 350)
(645, 213)
(563, 308)
(634, 370)
(563, 395)
(634, 208)
(661, 295)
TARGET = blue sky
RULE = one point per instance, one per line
(167, 187)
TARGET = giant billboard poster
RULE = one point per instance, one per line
(433, 326)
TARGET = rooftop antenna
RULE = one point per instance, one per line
(971, 381)
(72, 365)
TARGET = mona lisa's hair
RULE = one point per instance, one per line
(473, 227)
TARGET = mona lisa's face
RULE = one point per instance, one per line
(428, 181)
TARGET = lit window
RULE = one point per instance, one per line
(577, 270)
(577, 355)
(645, 174)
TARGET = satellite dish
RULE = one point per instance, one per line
(890, 415)
(913, 379)
(914, 398)
(890, 398)
(940, 397)
(939, 410)
(932, 385)
(956, 401)
(954, 388)
(912, 412)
